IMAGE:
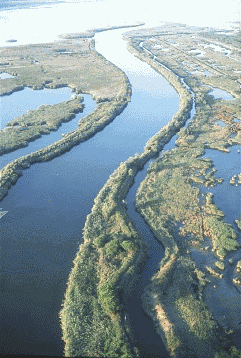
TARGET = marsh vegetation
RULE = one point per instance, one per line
(53, 68)
(172, 200)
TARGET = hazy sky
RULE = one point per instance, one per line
(44, 24)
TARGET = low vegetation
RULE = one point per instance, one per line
(238, 223)
(74, 63)
(56, 65)
(104, 113)
(119, 257)
(170, 195)
(35, 123)
(171, 199)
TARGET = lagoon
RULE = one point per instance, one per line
(29, 99)
(49, 203)
(45, 140)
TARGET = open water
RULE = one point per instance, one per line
(49, 203)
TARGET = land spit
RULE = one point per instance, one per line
(108, 85)
(111, 259)
(34, 124)
(171, 201)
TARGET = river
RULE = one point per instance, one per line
(48, 205)
(47, 209)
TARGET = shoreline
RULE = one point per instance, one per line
(12, 171)
(35, 123)
(110, 260)
(159, 299)
(108, 210)
(109, 104)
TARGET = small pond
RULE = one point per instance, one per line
(220, 94)
(5, 75)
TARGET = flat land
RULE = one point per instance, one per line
(182, 217)
(171, 198)
(72, 63)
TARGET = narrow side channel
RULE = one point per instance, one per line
(108, 230)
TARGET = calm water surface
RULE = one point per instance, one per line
(19, 4)
(220, 94)
(224, 300)
(5, 75)
(29, 99)
(89, 106)
(48, 205)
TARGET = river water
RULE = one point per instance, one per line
(47, 209)
(31, 99)
(221, 296)
(48, 205)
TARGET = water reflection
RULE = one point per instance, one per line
(218, 93)
(5, 75)
(227, 197)
(46, 140)
(29, 99)
(48, 206)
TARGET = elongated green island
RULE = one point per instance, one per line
(174, 198)
(168, 196)
(50, 66)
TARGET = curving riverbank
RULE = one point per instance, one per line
(67, 180)
(105, 234)
(89, 125)
(109, 263)
(112, 257)
(171, 190)
(110, 88)
(34, 124)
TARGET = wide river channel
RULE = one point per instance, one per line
(47, 208)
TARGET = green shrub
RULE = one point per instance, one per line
(220, 265)
(221, 252)
(112, 247)
(107, 298)
(128, 245)
(100, 241)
